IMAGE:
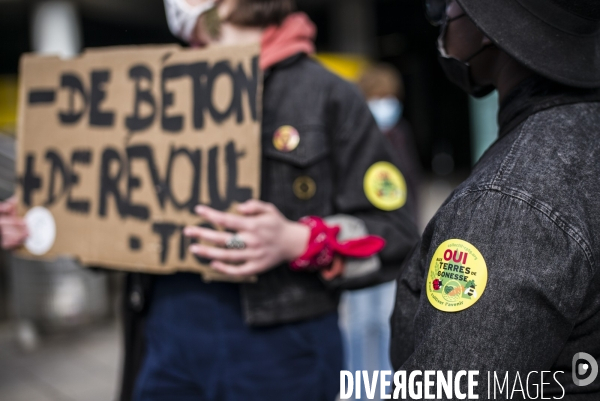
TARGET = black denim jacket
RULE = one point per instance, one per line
(532, 208)
(339, 141)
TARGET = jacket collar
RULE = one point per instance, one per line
(284, 64)
(296, 34)
(536, 94)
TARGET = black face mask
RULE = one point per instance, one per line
(459, 72)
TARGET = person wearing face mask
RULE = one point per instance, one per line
(383, 88)
(505, 279)
(324, 157)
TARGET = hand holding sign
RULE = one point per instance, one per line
(269, 237)
(116, 148)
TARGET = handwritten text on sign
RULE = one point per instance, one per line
(121, 144)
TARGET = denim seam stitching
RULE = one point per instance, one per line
(546, 210)
(506, 168)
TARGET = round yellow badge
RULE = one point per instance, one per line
(385, 186)
(457, 276)
(286, 138)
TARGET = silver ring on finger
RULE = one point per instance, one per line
(235, 242)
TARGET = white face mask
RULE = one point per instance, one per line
(182, 17)
(387, 112)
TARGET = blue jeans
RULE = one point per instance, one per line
(199, 348)
(365, 322)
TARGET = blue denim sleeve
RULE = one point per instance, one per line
(538, 274)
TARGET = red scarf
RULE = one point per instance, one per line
(323, 247)
(296, 34)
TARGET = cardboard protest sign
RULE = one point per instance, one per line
(116, 147)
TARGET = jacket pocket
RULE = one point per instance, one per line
(313, 146)
(300, 181)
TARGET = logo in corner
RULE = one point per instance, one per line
(582, 364)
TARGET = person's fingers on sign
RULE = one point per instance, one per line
(262, 238)
(13, 230)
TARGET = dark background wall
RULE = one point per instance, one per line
(393, 31)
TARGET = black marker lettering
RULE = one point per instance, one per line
(82, 206)
(98, 94)
(233, 192)
(184, 243)
(195, 160)
(31, 181)
(166, 231)
(222, 67)
(198, 72)
(144, 152)
(57, 166)
(109, 184)
(140, 212)
(41, 96)
(242, 82)
(136, 122)
(75, 86)
(172, 123)
(135, 243)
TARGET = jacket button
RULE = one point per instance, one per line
(136, 300)
(304, 187)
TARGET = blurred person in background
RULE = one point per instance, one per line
(365, 313)
(323, 156)
(506, 277)
(384, 89)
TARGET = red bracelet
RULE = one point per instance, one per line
(323, 246)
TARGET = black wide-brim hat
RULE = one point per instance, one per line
(558, 39)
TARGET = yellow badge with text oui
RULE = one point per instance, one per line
(457, 276)
(385, 186)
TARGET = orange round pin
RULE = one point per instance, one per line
(286, 138)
